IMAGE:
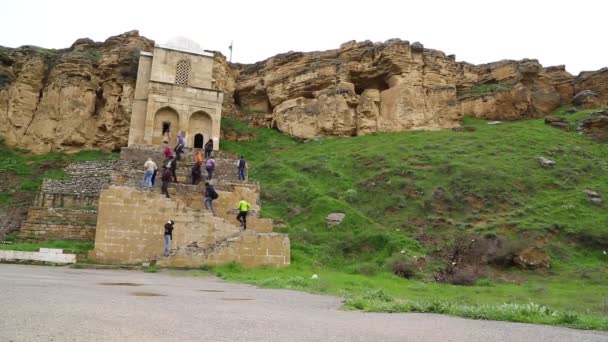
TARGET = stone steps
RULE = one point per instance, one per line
(132, 170)
(67, 208)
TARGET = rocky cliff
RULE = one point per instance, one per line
(76, 98)
(80, 97)
(72, 99)
(365, 87)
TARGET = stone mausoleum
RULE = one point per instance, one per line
(104, 201)
(175, 92)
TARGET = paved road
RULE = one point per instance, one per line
(61, 304)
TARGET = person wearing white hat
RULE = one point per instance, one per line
(168, 235)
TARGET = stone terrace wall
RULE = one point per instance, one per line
(59, 223)
(247, 249)
(67, 208)
(130, 230)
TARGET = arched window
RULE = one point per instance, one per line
(182, 72)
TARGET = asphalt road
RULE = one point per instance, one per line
(61, 304)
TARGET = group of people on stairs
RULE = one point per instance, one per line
(168, 174)
(169, 167)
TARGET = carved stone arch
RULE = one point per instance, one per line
(165, 118)
(200, 122)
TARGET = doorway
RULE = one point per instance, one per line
(198, 140)
(166, 127)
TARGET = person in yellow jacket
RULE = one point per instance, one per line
(243, 210)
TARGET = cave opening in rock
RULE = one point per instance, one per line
(378, 83)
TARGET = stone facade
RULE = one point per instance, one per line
(175, 91)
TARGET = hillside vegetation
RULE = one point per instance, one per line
(434, 220)
(440, 208)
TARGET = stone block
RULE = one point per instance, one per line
(37, 256)
(51, 250)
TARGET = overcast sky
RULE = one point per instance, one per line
(555, 32)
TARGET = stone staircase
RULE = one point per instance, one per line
(199, 237)
(135, 157)
(67, 208)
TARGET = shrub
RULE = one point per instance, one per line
(6, 80)
(467, 275)
(152, 269)
(567, 318)
(93, 54)
(402, 266)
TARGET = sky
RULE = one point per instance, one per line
(555, 32)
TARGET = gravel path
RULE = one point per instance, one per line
(61, 304)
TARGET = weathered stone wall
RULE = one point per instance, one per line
(58, 231)
(59, 224)
(66, 201)
(248, 250)
(226, 204)
(130, 229)
(66, 209)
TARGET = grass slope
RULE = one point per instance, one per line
(414, 194)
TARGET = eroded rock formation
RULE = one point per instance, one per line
(70, 99)
(77, 98)
(80, 97)
(365, 87)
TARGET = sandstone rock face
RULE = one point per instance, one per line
(595, 81)
(562, 81)
(81, 97)
(365, 87)
(72, 99)
(586, 99)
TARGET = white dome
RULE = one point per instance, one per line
(184, 44)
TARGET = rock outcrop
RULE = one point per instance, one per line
(365, 87)
(596, 82)
(72, 99)
(595, 125)
(80, 97)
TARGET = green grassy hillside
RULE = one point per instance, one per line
(411, 198)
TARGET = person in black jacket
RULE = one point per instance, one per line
(168, 235)
(210, 195)
(208, 148)
(196, 173)
(165, 178)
